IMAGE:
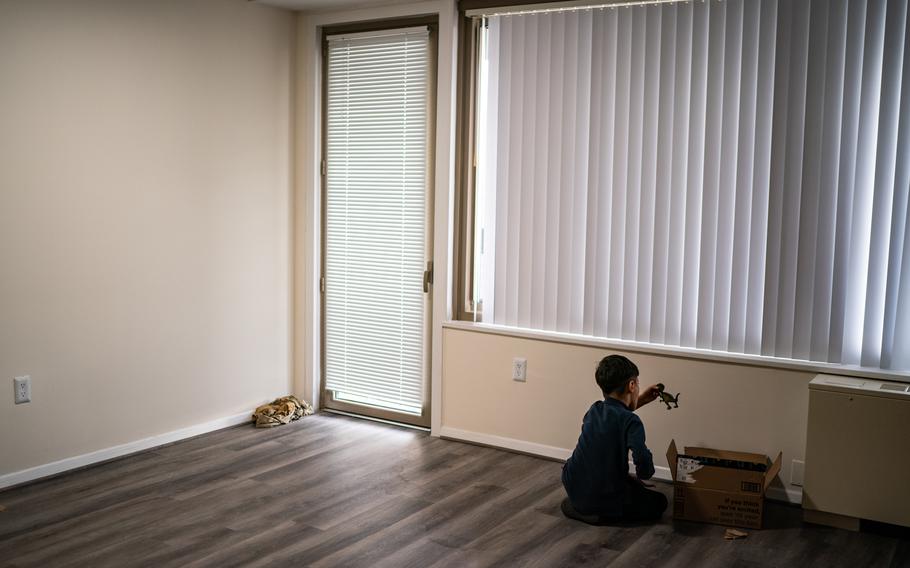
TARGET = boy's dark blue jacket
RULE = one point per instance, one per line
(595, 475)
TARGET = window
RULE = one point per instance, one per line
(726, 175)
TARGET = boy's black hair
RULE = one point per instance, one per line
(613, 372)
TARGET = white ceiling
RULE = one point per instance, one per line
(329, 5)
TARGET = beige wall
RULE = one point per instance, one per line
(722, 405)
(144, 218)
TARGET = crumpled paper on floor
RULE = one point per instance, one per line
(733, 534)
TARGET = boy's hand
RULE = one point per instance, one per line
(648, 395)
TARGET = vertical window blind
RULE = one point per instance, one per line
(727, 175)
(375, 238)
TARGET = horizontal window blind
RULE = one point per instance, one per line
(376, 156)
(727, 175)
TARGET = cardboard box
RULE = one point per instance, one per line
(719, 486)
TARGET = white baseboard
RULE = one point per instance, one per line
(660, 472)
(505, 443)
(792, 495)
(75, 462)
(786, 495)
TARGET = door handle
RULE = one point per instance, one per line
(428, 277)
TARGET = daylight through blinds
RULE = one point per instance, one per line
(727, 175)
(375, 218)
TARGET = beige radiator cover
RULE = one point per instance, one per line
(858, 451)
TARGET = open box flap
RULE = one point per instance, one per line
(726, 455)
(773, 470)
(671, 458)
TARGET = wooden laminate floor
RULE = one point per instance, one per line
(337, 491)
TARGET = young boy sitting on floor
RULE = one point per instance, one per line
(596, 476)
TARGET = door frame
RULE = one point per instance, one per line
(327, 400)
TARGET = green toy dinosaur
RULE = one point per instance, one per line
(666, 397)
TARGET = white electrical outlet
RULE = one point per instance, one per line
(519, 369)
(23, 386)
(797, 470)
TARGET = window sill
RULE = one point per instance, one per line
(687, 352)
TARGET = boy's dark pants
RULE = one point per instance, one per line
(640, 504)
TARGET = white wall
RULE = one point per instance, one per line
(307, 203)
(145, 160)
